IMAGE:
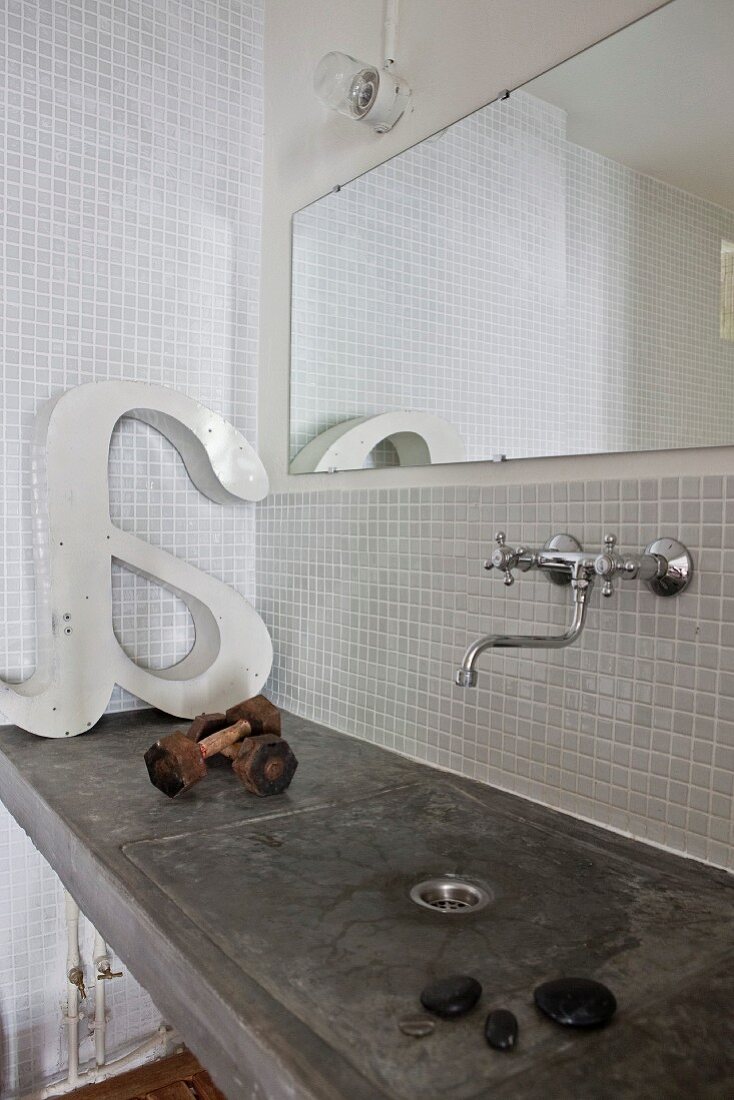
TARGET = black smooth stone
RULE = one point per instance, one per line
(500, 1029)
(451, 997)
(576, 1002)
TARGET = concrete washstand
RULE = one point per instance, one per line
(279, 935)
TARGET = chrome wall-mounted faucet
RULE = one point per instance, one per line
(665, 566)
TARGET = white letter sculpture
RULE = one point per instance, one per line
(79, 658)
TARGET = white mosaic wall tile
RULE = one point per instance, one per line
(372, 596)
(528, 290)
(131, 166)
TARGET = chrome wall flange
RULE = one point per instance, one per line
(677, 565)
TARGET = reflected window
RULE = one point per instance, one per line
(727, 290)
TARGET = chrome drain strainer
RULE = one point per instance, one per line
(450, 894)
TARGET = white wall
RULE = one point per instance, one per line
(131, 138)
(456, 57)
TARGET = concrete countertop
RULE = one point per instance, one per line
(278, 935)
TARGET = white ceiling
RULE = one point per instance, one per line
(658, 97)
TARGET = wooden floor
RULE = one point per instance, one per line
(180, 1077)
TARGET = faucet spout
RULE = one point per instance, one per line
(466, 676)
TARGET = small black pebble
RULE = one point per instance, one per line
(451, 997)
(576, 1002)
(500, 1029)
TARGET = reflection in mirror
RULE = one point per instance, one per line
(394, 438)
(553, 274)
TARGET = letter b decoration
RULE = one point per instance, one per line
(79, 657)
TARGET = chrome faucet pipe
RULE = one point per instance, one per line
(466, 676)
(665, 566)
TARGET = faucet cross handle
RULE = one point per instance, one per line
(504, 558)
(607, 564)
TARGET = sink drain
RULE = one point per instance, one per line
(449, 894)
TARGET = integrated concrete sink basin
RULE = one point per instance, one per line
(316, 907)
(278, 935)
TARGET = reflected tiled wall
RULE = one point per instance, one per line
(530, 291)
(130, 145)
(372, 596)
(436, 282)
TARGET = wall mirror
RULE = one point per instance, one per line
(552, 275)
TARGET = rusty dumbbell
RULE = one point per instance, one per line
(248, 734)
